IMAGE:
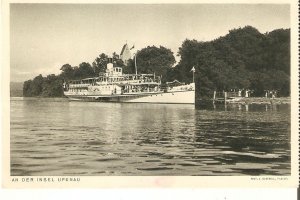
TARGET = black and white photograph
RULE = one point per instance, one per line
(162, 89)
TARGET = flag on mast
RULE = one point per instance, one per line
(193, 69)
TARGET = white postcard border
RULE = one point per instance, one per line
(151, 181)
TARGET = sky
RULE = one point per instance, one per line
(43, 37)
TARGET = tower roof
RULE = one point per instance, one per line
(123, 49)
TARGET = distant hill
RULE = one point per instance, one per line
(16, 89)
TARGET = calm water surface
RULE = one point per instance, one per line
(57, 137)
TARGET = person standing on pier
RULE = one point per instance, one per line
(247, 93)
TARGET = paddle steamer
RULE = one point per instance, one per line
(114, 86)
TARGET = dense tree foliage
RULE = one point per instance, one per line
(243, 59)
(99, 65)
(155, 60)
(67, 72)
(50, 86)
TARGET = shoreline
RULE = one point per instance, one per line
(243, 100)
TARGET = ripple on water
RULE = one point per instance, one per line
(155, 168)
(75, 138)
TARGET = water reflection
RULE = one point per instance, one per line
(80, 138)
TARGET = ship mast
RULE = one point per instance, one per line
(135, 62)
(193, 70)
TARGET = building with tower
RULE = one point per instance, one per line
(125, 54)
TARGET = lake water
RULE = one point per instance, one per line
(58, 137)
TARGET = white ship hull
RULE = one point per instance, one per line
(177, 97)
(185, 97)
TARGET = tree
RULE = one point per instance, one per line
(244, 58)
(99, 64)
(52, 86)
(155, 60)
(36, 86)
(84, 70)
(129, 68)
(67, 72)
(27, 88)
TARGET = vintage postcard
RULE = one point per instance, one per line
(150, 94)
